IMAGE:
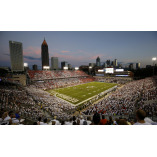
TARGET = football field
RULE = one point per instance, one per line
(80, 93)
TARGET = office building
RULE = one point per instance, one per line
(108, 62)
(98, 61)
(137, 65)
(16, 56)
(54, 63)
(115, 63)
(112, 63)
(35, 67)
(91, 64)
(44, 54)
(69, 66)
(104, 65)
(64, 64)
(119, 65)
(131, 67)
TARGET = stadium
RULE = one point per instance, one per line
(65, 97)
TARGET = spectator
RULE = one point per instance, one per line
(103, 121)
(122, 122)
(6, 117)
(53, 122)
(39, 121)
(140, 116)
(78, 122)
(96, 119)
(89, 120)
(110, 122)
(45, 122)
(57, 121)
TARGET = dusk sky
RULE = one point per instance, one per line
(81, 48)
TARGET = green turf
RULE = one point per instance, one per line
(83, 91)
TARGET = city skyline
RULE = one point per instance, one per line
(82, 48)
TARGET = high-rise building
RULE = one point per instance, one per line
(44, 54)
(119, 65)
(104, 65)
(131, 66)
(54, 63)
(35, 67)
(16, 56)
(64, 64)
(115, 63)
(98, 61)
(91, 64)
(108, 62)
(69, 66)
(112, 63)
(137, 65)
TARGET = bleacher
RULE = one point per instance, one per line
(46, 75)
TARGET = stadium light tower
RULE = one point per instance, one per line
(76, 68)
(65, 68)
(90, 68)
(25, 64)
(46, 67)
(153, 59)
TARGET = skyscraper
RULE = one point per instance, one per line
(35, 67)
(98, 61)
(115, 63)
(54, 63)
(137, 65)
(92, 64)
(64, 64)
(131, 66)
(44, 54)
(69, 66)
(16, 56)
(108, 62)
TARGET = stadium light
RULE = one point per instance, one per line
(76, 68)
(119, 70)
(100, 70)
(154, 59)
(25, 64)
(90, 67)
(46, 67)
(65, 68)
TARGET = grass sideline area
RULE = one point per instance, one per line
(80, 93)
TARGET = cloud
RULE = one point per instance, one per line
(32, 51)
(26, 57)
(31, 58)
(65, 51)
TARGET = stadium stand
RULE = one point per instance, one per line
(26, 105)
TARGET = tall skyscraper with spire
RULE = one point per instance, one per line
(44, 54)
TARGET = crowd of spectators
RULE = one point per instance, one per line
(39, 106)
(19, 100)
(125, 99)
(47, 75)
(60, 83)
(12, 118)
(118, 80)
